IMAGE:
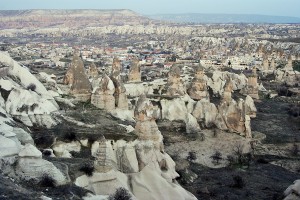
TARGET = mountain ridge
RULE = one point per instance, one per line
(224, 18)
(40, 18)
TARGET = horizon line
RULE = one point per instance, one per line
(145, 14)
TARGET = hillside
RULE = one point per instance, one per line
(224, 18)
(68, 18)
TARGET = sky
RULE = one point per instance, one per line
(146, 7)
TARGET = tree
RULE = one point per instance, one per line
(191, 156)
(229, 63)
(120, 194)
(217, 156)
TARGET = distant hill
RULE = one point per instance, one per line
(224, 18)
(68, 18)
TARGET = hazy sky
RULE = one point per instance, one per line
(267, 7)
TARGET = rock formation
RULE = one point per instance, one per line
(265, 63)
(8, 147)
(293, 191)
(103, 96)
(235, 117)
(103, 161)
(272, 65)
(288, 75)
(30, 108)
(145, 115)
(116, 69)
(198, 89)
(252, 85)
(171, 107)
(289, 65)
(144, 159)
(219, 79)
(228, 89)
(27, 100)
(31, 166)
(205, 112)
(229, 115)
(77, 78)
(134, 72)
(120, 95)
(92, 71)
(120, 91)
(175, 86)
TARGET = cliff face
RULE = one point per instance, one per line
(68, 18)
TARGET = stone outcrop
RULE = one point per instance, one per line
(175, 86)
(289, 65)
(103, 95)
(293, 191)
(252, 86)
(198, 89)
(8, 147)
(272, 65)
(103, 162)
(62, 149)
(116, 69)
(120, 95)
(25, 97)
(205, 112)
(218, 80)
(234, 115)
(192, 125)
(139, 166)
(49, 82)
(265, 65)
(145, 115)
(103, 183)
(77, 78)
(31, 166)
(92, 71)
(30, 108)
(250, 108)
(121, 100)
(228, 89)
(171, 107)
(288, 75)
(134, 72)
(229, 115)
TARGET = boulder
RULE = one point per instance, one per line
(31, 166)
(62, 149)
